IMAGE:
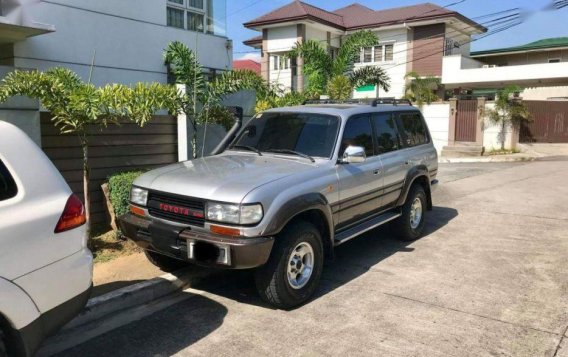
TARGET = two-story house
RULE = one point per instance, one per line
(413, 38)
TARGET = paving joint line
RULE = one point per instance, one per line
(457, 310)
(560, 341)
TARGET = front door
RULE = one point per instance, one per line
(360, 185)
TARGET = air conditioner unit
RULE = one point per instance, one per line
(485, 66)
(493, 66)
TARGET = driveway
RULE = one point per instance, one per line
(489, 278)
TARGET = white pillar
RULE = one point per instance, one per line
(182, 133)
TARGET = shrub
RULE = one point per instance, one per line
(339, 88)
(119, 188)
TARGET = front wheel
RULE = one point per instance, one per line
(410, 225)
(3, 351)
(165, 263)
(294, 268)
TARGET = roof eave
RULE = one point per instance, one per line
(260, 24)
(462, 18)
(512, 51)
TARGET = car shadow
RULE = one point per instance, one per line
(163, 333)
(351, 260)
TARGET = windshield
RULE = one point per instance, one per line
(306, 133)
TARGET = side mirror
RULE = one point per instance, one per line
(354, 155)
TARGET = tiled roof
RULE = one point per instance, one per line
(298, 10)
(254, 40)
(357, 16)
(247, 64)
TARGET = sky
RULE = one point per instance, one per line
(538, 25)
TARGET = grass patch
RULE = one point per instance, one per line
(107, 247)
(503, 152)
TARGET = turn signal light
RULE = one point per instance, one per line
(226, 231)
(73, 215)
(137, 210)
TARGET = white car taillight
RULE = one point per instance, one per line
(73, 215)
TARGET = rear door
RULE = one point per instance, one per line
(360, 184)
(415, 139)
(389, 145)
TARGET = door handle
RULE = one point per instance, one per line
(376, 172)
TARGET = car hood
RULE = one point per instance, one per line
(225, 178)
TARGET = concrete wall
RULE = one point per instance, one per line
(492, 134)
(545, 93)
(128, 36)
(437, 117)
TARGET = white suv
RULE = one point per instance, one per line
(45, 265)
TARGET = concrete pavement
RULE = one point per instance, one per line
(489, 278)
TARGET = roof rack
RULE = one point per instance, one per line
(373, 102)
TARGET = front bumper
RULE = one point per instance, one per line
(202, 248)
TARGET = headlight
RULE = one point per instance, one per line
(138, 196)
(232, 213)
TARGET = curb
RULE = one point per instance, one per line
(131, 296)
(460, 160)
(98, 315)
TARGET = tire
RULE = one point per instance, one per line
(165, 263)
(272, 280)
(3, 351)
(407, 227)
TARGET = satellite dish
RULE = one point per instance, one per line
(17, 11)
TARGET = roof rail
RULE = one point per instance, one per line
(392, 101)
(373, 102)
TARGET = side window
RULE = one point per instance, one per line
(412, 129)
(385, 133)
(8, 188)
(358, 132)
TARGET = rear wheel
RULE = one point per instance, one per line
(165, 263)
(410, 225)
(294, 269)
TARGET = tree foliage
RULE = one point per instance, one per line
(201, 102)
(320, 66)
(509, 111)
(339, 87)
(421, 89)
(371, 75)
(76, 106)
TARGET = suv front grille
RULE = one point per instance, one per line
(177, 208)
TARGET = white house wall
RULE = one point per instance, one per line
(282, 39)
(396, 69)
(437, 116)
(128, 36)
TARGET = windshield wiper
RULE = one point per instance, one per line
(249, 148)
(288, 151)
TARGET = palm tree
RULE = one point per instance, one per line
(508, 112)
(320, 66)
(201, 102)
(421, 89)
(371, 75)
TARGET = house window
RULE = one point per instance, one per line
(280, 62)
(389, 53)
(194, 21)
(381, 53)
(175, 18)
(368, 54)
(198, 4)
(554, 60)
(191, 14)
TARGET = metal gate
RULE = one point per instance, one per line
(549, 122)
(466, 120)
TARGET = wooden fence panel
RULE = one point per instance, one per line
(126, 147)
(549, 122)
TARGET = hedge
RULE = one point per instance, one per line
(119, 189)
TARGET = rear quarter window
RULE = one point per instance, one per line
(412, 129)
(8, 188)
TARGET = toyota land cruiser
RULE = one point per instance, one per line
(293, 184)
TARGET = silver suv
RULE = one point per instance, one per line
(295, 183)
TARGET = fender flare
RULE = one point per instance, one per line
(18, 313)
(413, 174)
(297, 206)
